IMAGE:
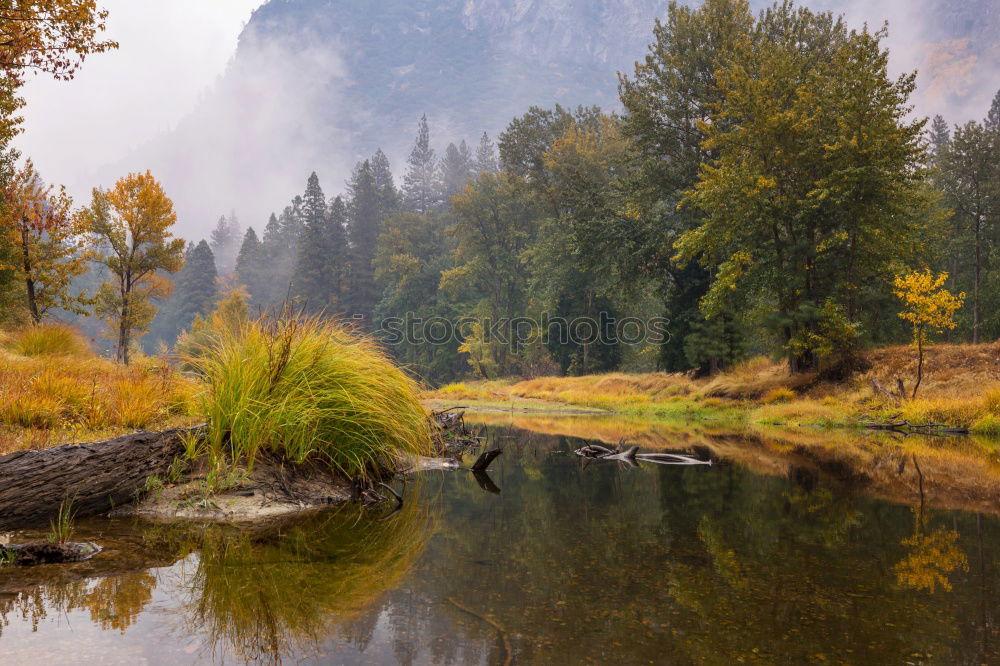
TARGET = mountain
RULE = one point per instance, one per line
(320, 84)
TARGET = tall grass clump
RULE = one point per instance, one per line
(48, 339)
(306, 389)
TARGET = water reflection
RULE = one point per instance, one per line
(568, 562)
(258, 598)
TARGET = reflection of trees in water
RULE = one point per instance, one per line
(932, 555)
(262, 597)
(707, 565)
(113, 602)
(256, 596)
(595, 561)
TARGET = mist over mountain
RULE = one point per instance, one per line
(321, 84)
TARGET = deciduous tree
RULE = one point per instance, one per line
(48, 246)
(130, 226)
(928, 307)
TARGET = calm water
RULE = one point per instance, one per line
(551, 560)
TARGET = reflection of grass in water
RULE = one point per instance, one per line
(261, 596)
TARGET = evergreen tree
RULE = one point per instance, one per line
(250, 268)
(456, 170)
(317, 278)
(194, 293)
(365, 215)
(940, 135)
(196, 290)
(486, 156)
(968, 174)
(279, 249)
(225, 242)
(420, 182)
(382, 172)
(992, 121)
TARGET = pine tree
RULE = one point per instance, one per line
(456, 170)
(250, 268)
(319, 263)
(420, 182)
(365, 214)
(486, 156)
(195, 290)
(992, 121)
(225, 242)
(940, 135)
(279, 249)
(382, 172)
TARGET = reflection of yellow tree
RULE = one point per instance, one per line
(931, 558)
(115, 602)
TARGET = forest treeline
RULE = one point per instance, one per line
(765, 187)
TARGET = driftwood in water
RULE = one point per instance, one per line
(451, 434)
(631, 455)
(483, 461)
(907, 428)
(97, 477)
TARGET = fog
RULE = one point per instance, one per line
(171, 53)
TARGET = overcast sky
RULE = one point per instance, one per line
(171, 51)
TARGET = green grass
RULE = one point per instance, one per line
(306, 389)
(62, 525)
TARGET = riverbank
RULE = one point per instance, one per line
(960, 389)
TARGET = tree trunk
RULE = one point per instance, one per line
(29, 283)
(123, 331)
(920, 363)
(96, 477)
(976, 282)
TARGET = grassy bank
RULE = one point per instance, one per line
(293, 388)
(961, 388)
(56, 390)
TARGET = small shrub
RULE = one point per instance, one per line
(987, 425)
(49, 340)
(778, 395)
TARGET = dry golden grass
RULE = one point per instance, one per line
(61, 392)
(961, 387)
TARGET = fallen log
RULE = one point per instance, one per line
(96, 476)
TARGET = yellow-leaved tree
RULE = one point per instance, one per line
(130, 227)
(928, 306)
(45, 236)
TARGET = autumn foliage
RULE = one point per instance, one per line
(927, 306)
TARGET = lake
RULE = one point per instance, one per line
(549, 559)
